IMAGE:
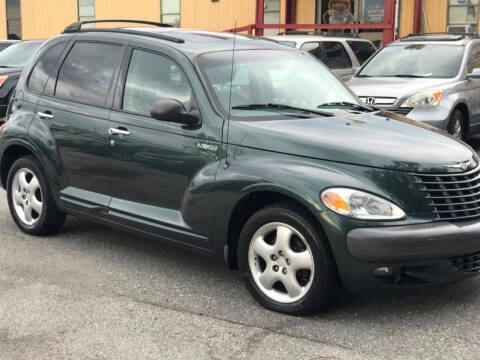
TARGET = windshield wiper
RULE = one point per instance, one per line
(348, 104)
(280, 107)
(408, 76)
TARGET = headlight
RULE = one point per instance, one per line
(360, 205)
(425, 98)
(2, 80)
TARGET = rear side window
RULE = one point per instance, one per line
(336, 56)
(152, 77)
(362, 50)
(313, 48)
(87, 72)
(44, 67)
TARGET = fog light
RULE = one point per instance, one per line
(384, 272)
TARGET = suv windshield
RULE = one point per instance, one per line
(415, 60)
(290, 78)
(17, 55)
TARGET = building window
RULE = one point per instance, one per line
(14, 20)
(271, 15)
(86, 10)
(463, 12)
(170, 11)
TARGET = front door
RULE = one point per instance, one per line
(158, 170)
(473, 87)
(76, 114)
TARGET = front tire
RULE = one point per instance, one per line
(286, 261)
(456, 126)
(30, 200)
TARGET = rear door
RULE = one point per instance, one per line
(75, 109)
(160, 172)
(335, 56)
(362, 50)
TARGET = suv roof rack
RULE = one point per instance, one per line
(77, 27)
(437, 36)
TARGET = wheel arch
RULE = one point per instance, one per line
(463, 107)
(251, 201)
(13, 151)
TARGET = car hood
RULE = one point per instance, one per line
(392, 87)
(381, 139)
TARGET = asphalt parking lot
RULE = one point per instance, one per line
(92, 292)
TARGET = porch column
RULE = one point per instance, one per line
(389, 33)
(259, 16)
(417, 16)
(290, 11)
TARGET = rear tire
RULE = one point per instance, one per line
(30, 200)
(456, 125)
(286, 261)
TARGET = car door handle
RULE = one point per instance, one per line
(118, 131)
(45, 115)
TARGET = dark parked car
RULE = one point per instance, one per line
(277, 167)
(6, 43)
(12, 61)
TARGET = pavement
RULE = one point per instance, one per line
(92, 292)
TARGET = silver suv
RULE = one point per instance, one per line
(432, 78)
(343, 55)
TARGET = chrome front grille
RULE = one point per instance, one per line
(452, 196)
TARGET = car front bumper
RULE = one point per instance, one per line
(409, 257)
(414, 242)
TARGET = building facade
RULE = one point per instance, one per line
(374, 19)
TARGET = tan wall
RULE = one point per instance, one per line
(204, 14)
(127, 9)
(3, 21)
(305, 11)
(46, 18)
(436, 14)
(406, 17)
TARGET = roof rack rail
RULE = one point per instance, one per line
(444, 36)
(77, 27)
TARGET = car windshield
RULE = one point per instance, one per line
(17, 55)
(282, 78)
(415, 60)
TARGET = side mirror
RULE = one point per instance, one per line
(475, 74)
(172, 110)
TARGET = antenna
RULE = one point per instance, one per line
(230, 96)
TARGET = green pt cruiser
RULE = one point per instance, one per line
(259, 155)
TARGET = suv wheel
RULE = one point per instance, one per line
(286, 261)
(30, 200)
(456, 125)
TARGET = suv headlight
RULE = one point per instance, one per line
(424, 98)
(360, 205)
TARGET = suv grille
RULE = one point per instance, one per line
(452, 196)
(467, 263)
(402, 111)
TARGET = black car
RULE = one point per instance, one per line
(6, 43)
(12, 61)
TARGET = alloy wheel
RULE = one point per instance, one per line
(458, 129)
(281, 262)
(27, 197)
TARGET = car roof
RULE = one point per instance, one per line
(192, 42)
(305, 38)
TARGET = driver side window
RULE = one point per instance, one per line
(474, 59)
(152, 77)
